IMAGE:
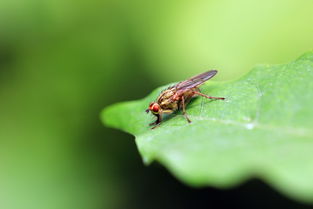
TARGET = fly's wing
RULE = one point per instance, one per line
(196, 80)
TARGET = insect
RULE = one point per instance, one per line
(178, 96)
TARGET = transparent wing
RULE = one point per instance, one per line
(196, 80)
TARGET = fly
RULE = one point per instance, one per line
(177, 97)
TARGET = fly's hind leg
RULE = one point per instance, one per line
(184, 109)
(208, 97)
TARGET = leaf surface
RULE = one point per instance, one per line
(262, 130)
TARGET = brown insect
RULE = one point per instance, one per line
(178, 96)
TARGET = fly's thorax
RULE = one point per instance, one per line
(165, 100)
(165, 95)
(169, 105)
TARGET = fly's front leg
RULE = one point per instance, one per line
(184, 109)
(158, 120)
(208, 97)
(156, 125)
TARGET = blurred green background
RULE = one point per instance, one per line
(61, 62)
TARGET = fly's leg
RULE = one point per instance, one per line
(157, 125)
(184, 109)
(157, 122)
(159, 119)
(201, 107)
(206, 96)
(152, 124)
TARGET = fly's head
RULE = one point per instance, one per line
(154, 107)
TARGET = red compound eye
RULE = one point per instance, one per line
(155, 108)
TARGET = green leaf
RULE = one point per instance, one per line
(263, 130)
